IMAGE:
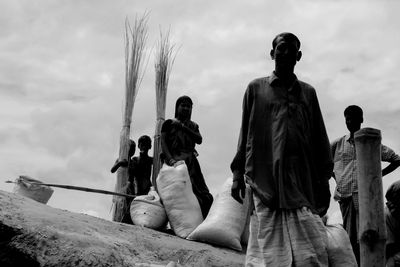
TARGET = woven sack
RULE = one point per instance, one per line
(340, 252)
(148, 211)
(226, 220)
(181, 205)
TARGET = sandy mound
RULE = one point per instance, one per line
(34, 234)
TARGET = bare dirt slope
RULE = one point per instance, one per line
(34, 234)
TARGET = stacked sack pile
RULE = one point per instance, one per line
(227, 223)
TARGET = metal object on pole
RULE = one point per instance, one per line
(372, 228)
(80, 188)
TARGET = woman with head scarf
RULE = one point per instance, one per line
(178, 139)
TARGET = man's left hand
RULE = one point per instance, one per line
(238, 190)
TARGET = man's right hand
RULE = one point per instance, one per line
(171, 162)
(238, 189)
(119, 163)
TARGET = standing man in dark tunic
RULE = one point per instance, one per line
(284, 155)
(178, 139)
(140, 169)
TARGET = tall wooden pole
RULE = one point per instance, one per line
(157, 149)
(135, 39)
(122, 175)
(372, 228)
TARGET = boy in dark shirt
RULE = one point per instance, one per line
(140, 167)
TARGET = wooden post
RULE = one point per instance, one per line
(135, 39)
(157, 150)
(372, 228)
(122, 176)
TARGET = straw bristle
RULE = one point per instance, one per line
(135, 39)
(164, 60)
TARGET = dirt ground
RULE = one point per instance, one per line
(34, 234)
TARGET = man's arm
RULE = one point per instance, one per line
(391, 167)
(195, 134)
(333, 151)
(324, 159)
(164, 147)
(119, 163)
(238, 189)
(390, 156)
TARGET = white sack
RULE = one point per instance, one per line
(148, 211)
(226, 220)
(340, 252)
(181, 205)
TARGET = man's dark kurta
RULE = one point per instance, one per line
(283, 150)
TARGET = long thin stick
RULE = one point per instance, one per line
(72, 187)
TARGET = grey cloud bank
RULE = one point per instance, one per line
(62, 79)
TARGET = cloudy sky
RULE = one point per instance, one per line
(62, 79)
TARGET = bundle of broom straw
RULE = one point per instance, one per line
(165, 58)
(135, 39)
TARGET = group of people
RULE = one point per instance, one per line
(284, 154)
(139, 167)
(178, 139)
(139, 172)
(286, 158)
